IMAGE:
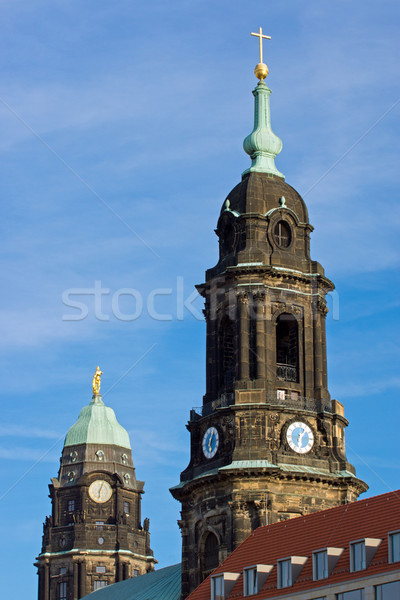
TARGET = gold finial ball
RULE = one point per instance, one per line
(261, 71)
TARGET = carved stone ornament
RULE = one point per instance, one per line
(277, 307)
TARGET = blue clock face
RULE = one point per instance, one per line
(210, 442)
(300, 437)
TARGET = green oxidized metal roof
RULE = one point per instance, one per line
(164, 584)
(97, 424)
(243, 465)
(262, 144)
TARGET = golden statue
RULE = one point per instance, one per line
(96, 381)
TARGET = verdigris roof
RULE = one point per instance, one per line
(97, 424)
(163, 584)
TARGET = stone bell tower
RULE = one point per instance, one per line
(94, 535)
(268, 442)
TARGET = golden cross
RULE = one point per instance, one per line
(261, 36)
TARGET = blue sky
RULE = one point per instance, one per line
(121, 129)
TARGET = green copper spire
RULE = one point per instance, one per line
(262, 144)
(97, 424)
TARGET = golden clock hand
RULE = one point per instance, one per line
(209, 442)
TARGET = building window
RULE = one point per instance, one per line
(100, 454)
(99, 525)
(226, 354)
(99, 583)
(353, 595)
(250, 581)
(211, 554)
(394, 547)
(284, 573)
(62, 590)
(280, 394)
(388, 591)
(287, 348)
(282, 234)
(135, 572)
(252, 348)
(71, 505)
(357, 556)
(126, 508)
(63, 571)
(217, 588)
(100, 569)
(320, 565)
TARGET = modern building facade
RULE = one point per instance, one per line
(94, 535)
(268, 443)
(350, 552)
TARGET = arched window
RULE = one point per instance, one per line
(282, 234)
(287, 348)
(210, 554)
(227, 355)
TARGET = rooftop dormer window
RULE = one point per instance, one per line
(222, 584)
(394, 547)
(362, 552)
(254, 578)
(324, 561)
(289, 569)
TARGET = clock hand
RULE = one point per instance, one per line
(300, 439)
(209, 442)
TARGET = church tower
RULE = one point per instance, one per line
(94, 536)
(268, 442)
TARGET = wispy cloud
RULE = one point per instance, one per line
(363, 388)
(27, 432)
(27, 454)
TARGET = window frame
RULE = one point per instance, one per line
(71, 505)
(282, 234)
(217, 579)
(353, 545)
(227, 581)
(101, 569)
(261, 574)
(250, 576)
(341, 595)
(98, 584)
(391, 534)
(279, 565)
(370, 547)
(379, 589)
(325, 567)
(62, 590)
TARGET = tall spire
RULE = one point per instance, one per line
(262, 144)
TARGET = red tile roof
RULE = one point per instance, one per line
(336, 527)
